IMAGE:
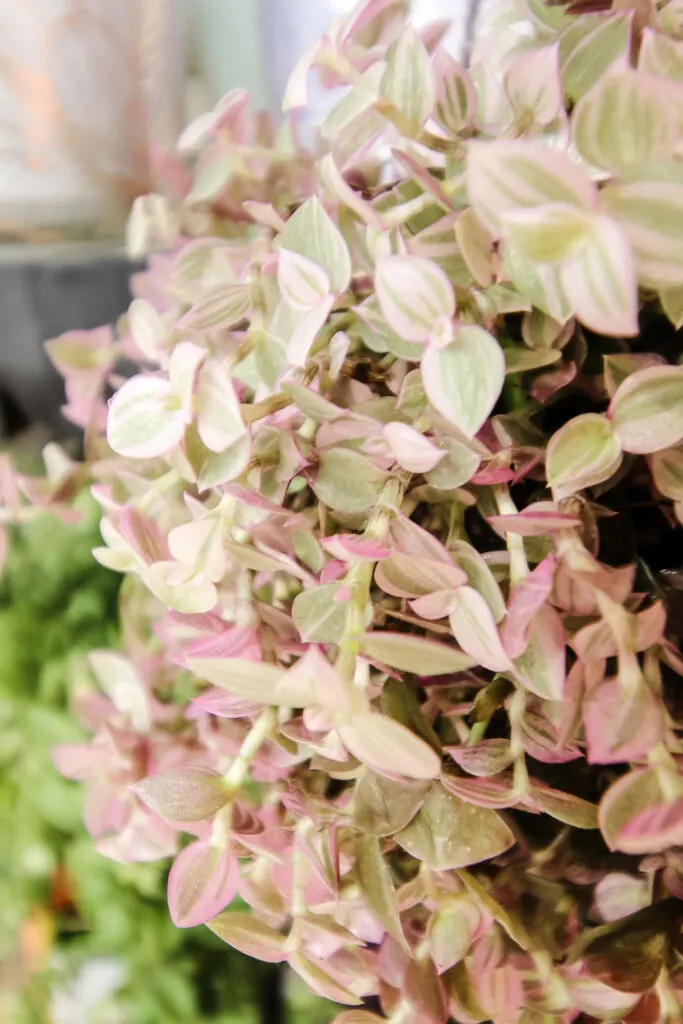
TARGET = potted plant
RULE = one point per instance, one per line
(397, 493)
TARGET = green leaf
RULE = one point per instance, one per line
(585, 452)
(647, 410)
(407, 83)
(383, 806)
(414, 654)
(448, 833)
(591, 58)
(318, 617)
(628, 118)
(311, 232)
(348, 482)
(374, 879)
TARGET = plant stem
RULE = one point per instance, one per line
(359, 580)
(519, 567)
(260, 731)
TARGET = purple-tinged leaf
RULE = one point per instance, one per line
(666, 467)
(357, 1017)
(250, 936)
(404, 575)
(495, 794)
(433, 606)
(186, 794)
(203, 881)
(247, 679)
(225, 705)
(483, 759)
(541, 739)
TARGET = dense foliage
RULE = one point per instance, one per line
(398, 494)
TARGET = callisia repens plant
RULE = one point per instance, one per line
(397, 493)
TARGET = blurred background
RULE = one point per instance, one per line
(90, 91)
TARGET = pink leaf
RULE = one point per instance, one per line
(496, 794)
(250, 936)
(619, 894)
(483, 759)
(412, 450)
(433, 606)
(474, 628)
(621, 726)
(637, 817)
(534, 521)
(389, 747)
(201, 883)
(525, 600)
(542, 665)
(225, 705)
(143, 535)
(410, 576)
(74, 762)
(533, 85)
(349, 547)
